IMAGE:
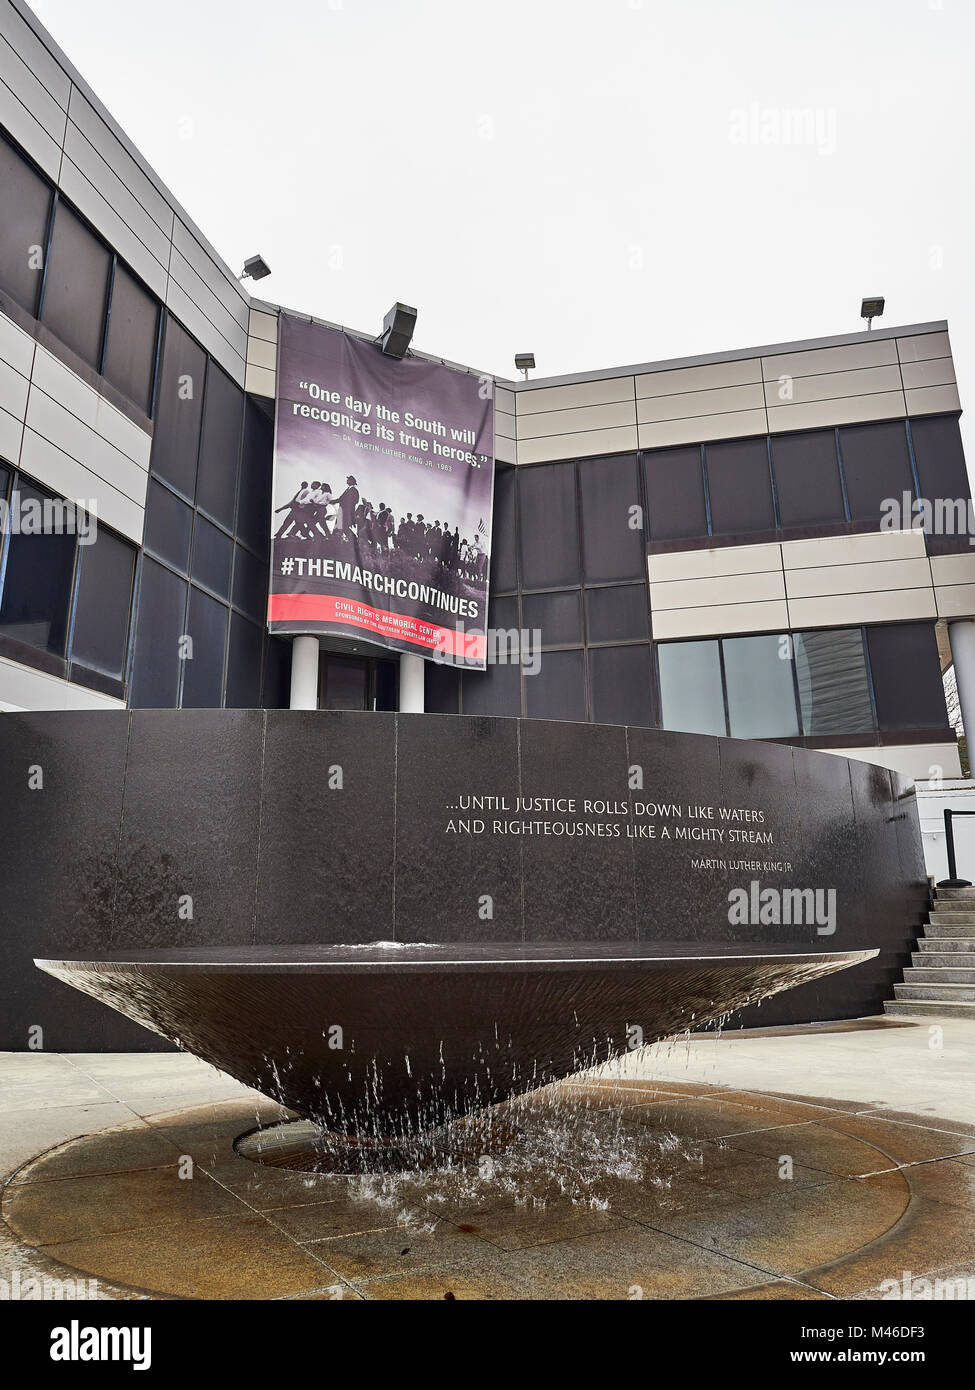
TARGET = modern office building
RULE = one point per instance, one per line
(137, 377)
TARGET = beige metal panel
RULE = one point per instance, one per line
(593, 417)
(230, 355)
(878, 352)
(52, 422)
(953, 569)
(32, 52)
(866, 381)
(852, 410)
(13, 391)
(102, 138)
(579, 394)
(65, 475)
(504, 424)
(260, 382)
(32, 93)
(587, 444)
(920, 346)
(123, 433)
(16, 346)
(11, 432)
(261, 325)
(262, 354)
(932, 400)
(23, 687)
(702, 428)
(224, 286)
(912, 759)
(857, 579)
(505, 450)
(933, 371)
(713, 376)
(120, 199)
(504, 400)
(843, 610)
(118, 233)
(28, 132)
(865, 548)
(674, 565)
(721, 401)
(674, 623)
(708, 593)
(955, 600)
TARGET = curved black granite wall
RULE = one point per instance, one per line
(222, 827)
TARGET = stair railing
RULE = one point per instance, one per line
(953, 881)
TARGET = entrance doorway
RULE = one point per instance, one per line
(356, 682)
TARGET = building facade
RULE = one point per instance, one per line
(705, 545)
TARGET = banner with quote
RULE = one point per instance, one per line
(382, 497)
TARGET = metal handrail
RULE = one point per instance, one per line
(953, 881)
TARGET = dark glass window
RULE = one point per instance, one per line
(104, 601)
(939, 456)
(39, 570)
(675, 494)
(503, 548)
(558, 691)
(441, 688)
(25, 205)
(223, 410)
(758, 680)
(76, 286)
(161, 624)
(619, 678)
(254, 500)
(834, 687)
(549, 527)
(250, 584)
(617, 614)
(877, 466)
(739, 487)
(503, 613)
(213, 553)
(494, 691)
(343, 682)
(203, 674)
(807, 478)
(907, 676)
(130, 350)
(277, 672)
(168, 525)
(557, 616)
(691, 698)
(612, 531)
(243, 664)
(179, 407)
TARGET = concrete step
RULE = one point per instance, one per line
(955, 994)
(942, 931)
(927, 942)
(960, 893)
(953, 918)
(939, 975)
(943, 960)
(928, 1008)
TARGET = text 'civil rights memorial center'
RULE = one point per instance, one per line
(720, 547)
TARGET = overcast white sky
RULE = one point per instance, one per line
(600, 181)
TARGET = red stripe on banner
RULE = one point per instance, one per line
(325, 608)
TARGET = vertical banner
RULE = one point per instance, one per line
(382, 497)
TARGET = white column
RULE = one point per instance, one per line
(411, 684)
(962, 638)
(304, 672)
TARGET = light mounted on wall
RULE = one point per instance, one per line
(524, 362)
(255, 268)
(871, 309)
(397, 334)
